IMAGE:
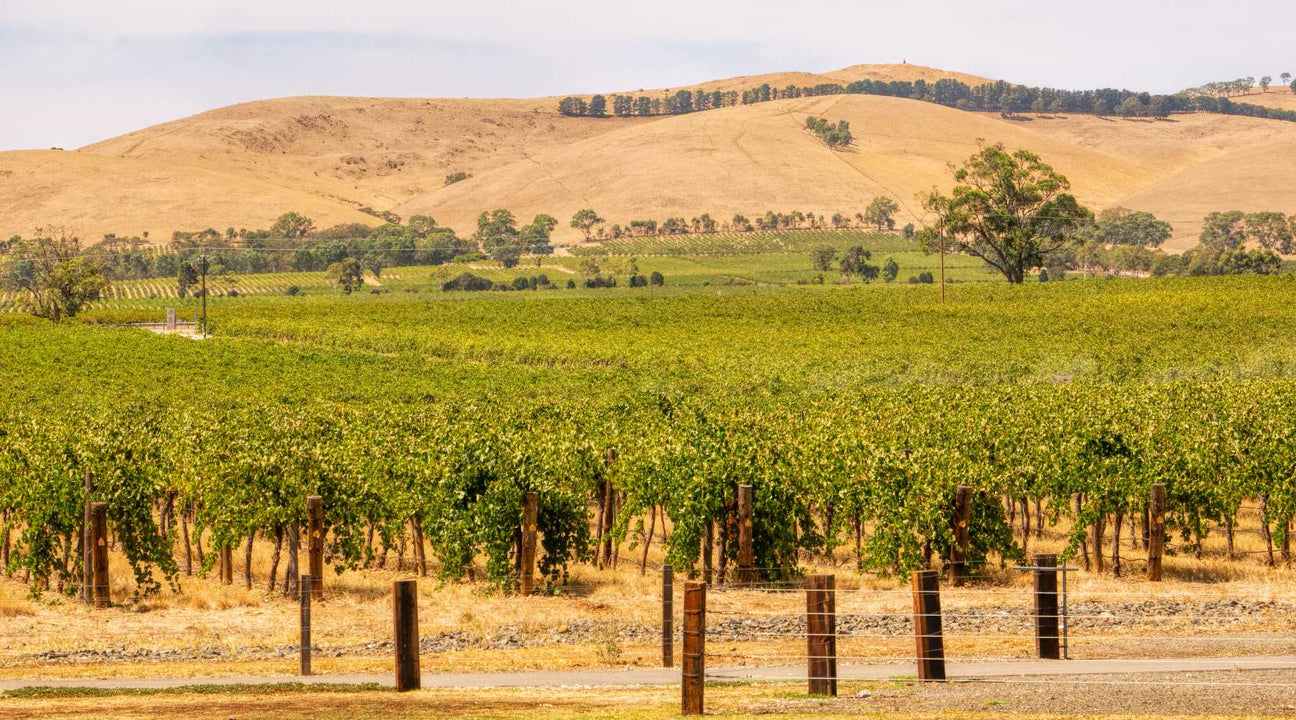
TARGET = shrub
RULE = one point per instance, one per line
(571, 284)
(924, 277)
(455, 177)
(467, 281)
(656, 279)
(292, 290)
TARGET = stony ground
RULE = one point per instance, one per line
(1233, 620)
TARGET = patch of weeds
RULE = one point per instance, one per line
(44, 692)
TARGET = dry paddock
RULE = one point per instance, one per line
(1232, 694)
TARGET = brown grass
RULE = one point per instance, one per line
(241, 166)
(635, 703)
(256, 630)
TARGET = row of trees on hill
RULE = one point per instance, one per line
(1241, 86)
(998, 96)
(880, 214)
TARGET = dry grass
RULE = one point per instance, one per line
(237, 631)
(326, 157)
(889, 700)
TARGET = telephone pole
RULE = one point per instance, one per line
(940, 224)
(203, 268)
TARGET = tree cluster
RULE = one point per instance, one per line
(838, 135)
(501, 239)
(997, 96)
(854, 262)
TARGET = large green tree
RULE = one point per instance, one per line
(1224, 230)
(347, 275)
(1010, 209)
(49, 270)
(292, 225)
(1121, 226)
(585, 220)
(1269, 230)
(881, 212)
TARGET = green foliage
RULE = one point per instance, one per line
(1009, 209)
(881, 212)
(291, 225)
(585, 220)
(456, 177)
(347, 275)
(890, 269)
(446, 412)
(822, 257)
(855, 262)
(1224, 230)
(833, 136)
(1119, 226)
(47, 269)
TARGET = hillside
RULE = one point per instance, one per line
(754, 158)
(327, 157)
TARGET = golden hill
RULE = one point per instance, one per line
(327, 157)
(754, 158)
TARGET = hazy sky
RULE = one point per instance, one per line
(76, 71)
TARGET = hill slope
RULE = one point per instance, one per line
(753, 158)
(327, 157)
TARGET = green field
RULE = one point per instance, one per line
(832, 401)
(765, 259)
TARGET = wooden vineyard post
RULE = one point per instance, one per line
(927, 625)
(226, 565)
(99, 582)
(305, 624)
(746, 554)
(693, 672)
(530, 506)
(315, 544)
(668, 616)
(406, 638)
(821, 634)
(1156, 531)
(87, 545)
(958, 553)
(1047, 640)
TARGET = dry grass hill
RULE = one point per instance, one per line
(327, 157)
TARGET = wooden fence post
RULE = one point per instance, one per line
(405, 622)
(99, 534)
(305, 624)
(530, 508)
(821, 634)
(958, 553)
(746, 554)
(315, 544)
(87, 544)
(1156, 531)
(927, 625)
(668, 616)
(693, 673)
(1047, 640)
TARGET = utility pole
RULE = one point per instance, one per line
(203, 269)
(940, 223)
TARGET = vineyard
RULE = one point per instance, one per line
(854, 414)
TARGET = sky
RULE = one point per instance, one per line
(76, 71)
